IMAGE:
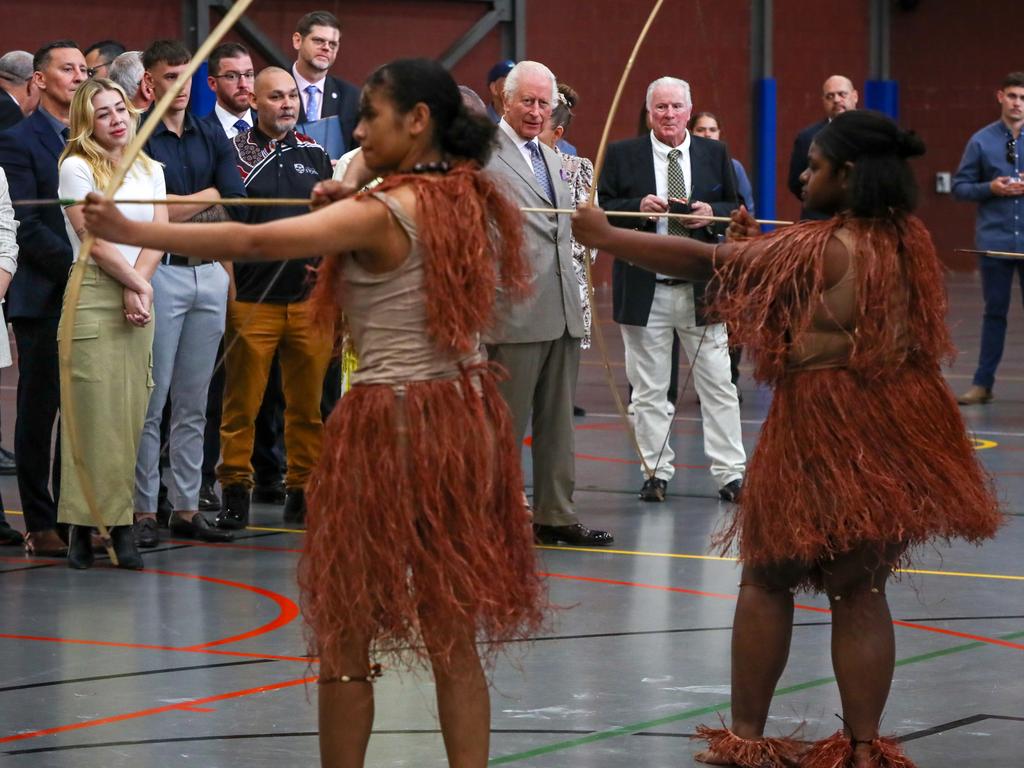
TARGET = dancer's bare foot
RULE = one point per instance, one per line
(710, 757)
(862, 755)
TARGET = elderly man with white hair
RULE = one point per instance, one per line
(538, 340)
(22, 96)
(672, 170)
(126, 70)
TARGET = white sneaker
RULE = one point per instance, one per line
(671, 408)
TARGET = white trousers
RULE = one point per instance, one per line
(648, 368)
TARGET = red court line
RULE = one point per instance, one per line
(186, 706)
(810, 608)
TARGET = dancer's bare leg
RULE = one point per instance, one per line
(863, 642)
(761, 634)
(463, 702)
(346, 709)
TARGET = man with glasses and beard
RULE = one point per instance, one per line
(990, 175)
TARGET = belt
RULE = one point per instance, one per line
(670, 281)
(174, 260)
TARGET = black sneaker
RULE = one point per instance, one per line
(235, 513)
(209, 501)
(146, 532)
(731, 491)
(654, 489)
(295, 506)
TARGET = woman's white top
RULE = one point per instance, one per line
(77, 180)
(8, 256)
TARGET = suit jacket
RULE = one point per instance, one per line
(212, 118)
(554, 302)
(10, 112)
(798, 164)
(28, 154)
(628, 178)
(342, 99)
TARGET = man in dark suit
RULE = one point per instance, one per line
(21, 97)
(28, 154)
(316, 41)
(538, 340)
(837, 96)
(649, 174)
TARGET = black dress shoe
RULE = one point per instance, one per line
(9, 535)
(576, 534)
(79, 547)
(654, 489)
(731, 491)
(209, 501)
(123, 539)
(269, 493)
(147, 532)
(234, 514)
(8, 466)
(295, 506)
(198, 528)
(577, 411)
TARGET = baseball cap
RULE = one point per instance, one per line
(500, 70)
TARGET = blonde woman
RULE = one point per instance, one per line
(112, 333)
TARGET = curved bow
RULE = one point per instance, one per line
(78, 271)
(598, 168)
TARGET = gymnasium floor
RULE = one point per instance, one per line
(197, 660)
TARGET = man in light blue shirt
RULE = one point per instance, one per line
(990, 175)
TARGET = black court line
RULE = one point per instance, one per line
(34, 566)
(311, 734)
(143, 673)
(956, 724)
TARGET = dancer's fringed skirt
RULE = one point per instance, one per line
(417, 535)
(844, 461)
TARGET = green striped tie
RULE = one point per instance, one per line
(676, 189)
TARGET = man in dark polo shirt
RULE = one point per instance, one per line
(270, 312)
(189, 300)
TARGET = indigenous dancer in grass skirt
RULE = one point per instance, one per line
(419, 544)
(863, 455)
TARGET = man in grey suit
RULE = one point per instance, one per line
(538, 340)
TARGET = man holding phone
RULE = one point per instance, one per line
(990, 175)
(671, 170)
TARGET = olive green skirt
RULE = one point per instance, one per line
(111, 380)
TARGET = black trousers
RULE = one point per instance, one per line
(38, 404)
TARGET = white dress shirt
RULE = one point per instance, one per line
(228, 120)
(303, 84)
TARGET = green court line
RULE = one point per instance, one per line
(628, 730)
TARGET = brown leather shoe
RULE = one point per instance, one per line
(975, 396)
(45, 544)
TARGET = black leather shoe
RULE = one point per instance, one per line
(295, 506)
(198, 528)
(128, 556)
(269, 493)
(234, 514)
(577, 535)
(731, 491)
(8, 466)
(209, 501)
(9, 535)
(147, 532)
(654, 489)
(79, 547)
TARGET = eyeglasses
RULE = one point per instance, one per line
(234, 77)
(93, 71)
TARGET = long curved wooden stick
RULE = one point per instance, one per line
(74, 289)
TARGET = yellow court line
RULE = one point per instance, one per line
(918, 571)
(680, 556)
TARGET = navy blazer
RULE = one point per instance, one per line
(10, 112)
(28, 154)
(798, 164)
(342, 99)
(629, 177)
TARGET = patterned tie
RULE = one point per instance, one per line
(312, 103)
(540, 170)
(241, 126)
(676, 189)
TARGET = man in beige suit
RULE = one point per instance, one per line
(538, 341)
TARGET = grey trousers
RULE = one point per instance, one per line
(189, 307)
(542, 381)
